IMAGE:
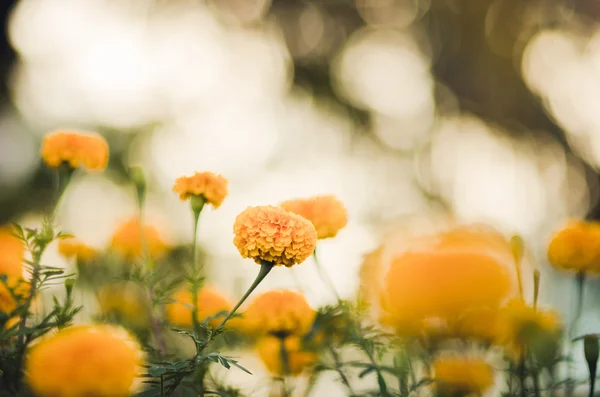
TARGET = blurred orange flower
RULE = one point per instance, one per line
(298, 360)
(12, 252)
(447, 275)
(209, 303)
(213, 187)
(125, 300)
(272, 234)
(461, 376)
(326, 213)
(126, 240)
(71, 247)
(83, 361)
(75, 149)
(576, 247)
(279, 312)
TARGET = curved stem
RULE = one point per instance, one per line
(265, 268)
(325, 277)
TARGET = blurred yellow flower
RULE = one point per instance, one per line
(126, 240)
(370, 276)
(460, 376)
(326, 213)
(125, 300)
(279, 312)
(576, 247)
(209, 303)
(75, 149)
(13, 292)
(71, 247)
(447, 275)
(213, 187)
(298, 360)
(520, 324)
(12, 251)
(272, 234)
(83, 361)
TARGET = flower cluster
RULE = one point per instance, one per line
(75, 149)
(576, 247)
(209, 303)
(274, 235)
(326, 213)
(72, 247)
(212, 187)
(131, 239)
(460, 376)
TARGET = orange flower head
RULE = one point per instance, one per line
(520, 324)
(298, 360)
(213, 187)
(71, 247)
(13, 292)
(83, 361)
(75, 149)
(576, 247)
(447, 275)
(125, 300)
(209, 303)
(12, 252)
(460, 376)
(272, 234)
(279, 312)
(126, 240)
(326, 213)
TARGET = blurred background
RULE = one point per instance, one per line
(485, 110)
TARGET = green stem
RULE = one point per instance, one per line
(338, 368)
(196, 209)
(35, 276)
(285, 366)
(522, 374)
(325, 277)
(579, 284)
(265, 268)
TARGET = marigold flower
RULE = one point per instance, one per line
(520, 324)
(213, 187)
(447, 275)
(279, 312)
(127, 301)
(576, 247)
(272, 234)
(326, 213)
(75, 149)
(126, 240)
(12, 251)
(13, 292)
(71, 247)
(298, 360)
(85, 360)
(459, 376)
(209, 303)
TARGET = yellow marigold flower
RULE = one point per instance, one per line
(209, 303)
(298, 360)
(459, 376)
(83, 361)
(126, 240)
(71, 247)
(75, 149)
(520, 324)
(447, 275)
(576, 247)
(370, 276)
(279, 312)
(272, 234)
(12, 251)
(213, 187)
(326, 213)
(20, 291)
(127, 301)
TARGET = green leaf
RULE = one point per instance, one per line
(157, 371)
(366, 371)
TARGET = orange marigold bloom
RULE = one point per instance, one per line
(71, 247)
(576, 247)
(520, 324)
(126, 240)
(272, 234)
(213, 187)
(326, 213)
(298, 360)
(279, 312)
(75, 149)
(460, 376)
(83, 361)
(447, 275)
(12, 251)
(209, 303)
